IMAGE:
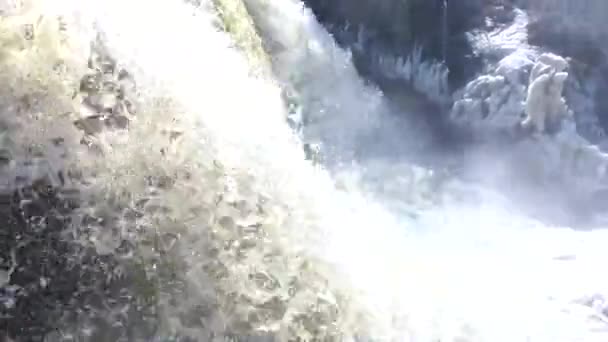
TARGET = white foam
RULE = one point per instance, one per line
(474, 272)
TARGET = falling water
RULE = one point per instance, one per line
(444, 30)
(236, 234)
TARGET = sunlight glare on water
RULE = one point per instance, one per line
(455, 273)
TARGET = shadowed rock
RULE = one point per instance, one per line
(397, 26)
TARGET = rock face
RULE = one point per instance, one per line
(107, 93)
(529, 144)
(517, 94)
(389, 20)
(392, 28)
(50, 282)
(396, 27)
(569, 19)
(580, 36)
(494, 104)
(236, 21)
(525, 83)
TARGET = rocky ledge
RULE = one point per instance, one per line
(523, 79)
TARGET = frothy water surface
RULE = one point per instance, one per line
(268, 243)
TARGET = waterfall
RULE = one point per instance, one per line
(202, 220)
(445, 34)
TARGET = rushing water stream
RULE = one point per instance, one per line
(219, 228)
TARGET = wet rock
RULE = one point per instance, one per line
(579, 36)
(54, 284)
(52, 281)
(585, 93)
(515, 67)
(118, 121)
(566, 39)
(108, 94)
(570, 28)
(91, 125)
(426, 78)
(545, 157)
(493, 106)
(102, 103)
(389, 20)
(396, 27)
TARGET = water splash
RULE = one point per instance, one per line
(444, 30)
(247, 238)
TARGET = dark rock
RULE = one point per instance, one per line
(566, 39)
(599, 97)
(118, 121)
(91, 125)
(585, 90)
(58, 282)
(581, 37)
(388, 20)
(396, 27)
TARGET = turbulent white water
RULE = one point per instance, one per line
(285, 250)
